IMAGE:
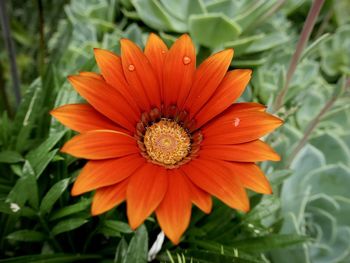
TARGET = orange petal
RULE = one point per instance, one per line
(174, 212)
(216, 179)
(91, 75)
(139, 73)
(112, 70)
(145, 191)
(246, 106)
(179, 68)
(199, 197)
(207, 79)
(108, 197)
(237, 126)
(251, 177)
(83, 117)
(96, 174)
(106, 100)
(100, 144)
(254, 151)
(229, 90)
(155, 51)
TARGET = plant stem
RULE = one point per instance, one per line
(304, 37)
(3, 94)
(42, 49)
(314, 124)
(10, 50)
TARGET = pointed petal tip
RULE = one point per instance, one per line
(133, 224)
(74, 192)
(175, 241)
(95, 211)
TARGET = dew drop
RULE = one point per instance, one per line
(163, 51)
(131, 67)
(236, 121)
(186, 60)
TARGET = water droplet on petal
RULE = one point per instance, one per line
(163, 51)
(131, 67)
(186, 60)
(236, 121)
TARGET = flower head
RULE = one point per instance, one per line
(162, 134)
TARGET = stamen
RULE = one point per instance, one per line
(167, 142)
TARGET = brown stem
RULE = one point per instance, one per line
(304, 37)
(42, 49)
(4, 21)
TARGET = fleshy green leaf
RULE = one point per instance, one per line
(213, 30)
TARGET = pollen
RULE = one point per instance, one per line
(167, 142)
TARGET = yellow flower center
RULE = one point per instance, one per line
(167, 142)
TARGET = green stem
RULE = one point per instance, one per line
(304, 37)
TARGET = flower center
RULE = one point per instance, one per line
(167, 142)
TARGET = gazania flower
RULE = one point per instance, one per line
(162, 134)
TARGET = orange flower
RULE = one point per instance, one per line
(162, 134)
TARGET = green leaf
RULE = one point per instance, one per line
(184, 8)
(25, 189)
(68, 225)
(71, 209)
(213, 30)
(155, 16)
(138, 247)
(267, 243)
(335, 148)
(53, 195)
(332, 180)
(202, 256)
(121, 251)
(10, 157)
(40, 157)
(27, 236)
(117, 226)
(268, 42)
(54, 258)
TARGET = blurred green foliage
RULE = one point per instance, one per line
(307, 217)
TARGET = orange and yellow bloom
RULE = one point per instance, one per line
(162, 134)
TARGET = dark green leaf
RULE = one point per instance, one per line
(71, 209)
(117, 226)
(68, 225)
(267, 243)
(27, 235)
(10, 157)
(40, 157)
(138, 247)
(121, 251)
(55, 258)
(53, 195)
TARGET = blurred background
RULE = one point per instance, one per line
(302, 78)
